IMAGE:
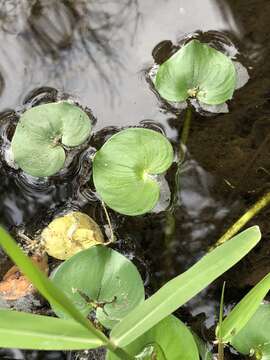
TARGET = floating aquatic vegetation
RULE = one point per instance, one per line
(124, 170)
(102, 280)
(42, 133)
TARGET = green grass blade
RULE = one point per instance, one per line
(244, 310)
(53, 294)
(185, 286)
(27, 331)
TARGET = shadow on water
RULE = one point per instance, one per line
(98, 52)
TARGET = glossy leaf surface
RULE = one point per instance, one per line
(100, 279)
(27, 331)
(183, 287)
(125, 166)
(41, 132)
(197, 70)
(244, 310)
(173, 341)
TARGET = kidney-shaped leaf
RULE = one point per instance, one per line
(41, 132)
(255, 335)
(100, 279)
(183, 287)
(197, 70)
(27, 331)
(170, 339)
(124, 169)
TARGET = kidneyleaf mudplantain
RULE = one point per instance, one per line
(254, 338)
(197, 71)
(124, 170)
(37, 144)
(102, 280)
(170, 339)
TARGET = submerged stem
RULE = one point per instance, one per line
(109, 222)
(254, 210)
(185, 134)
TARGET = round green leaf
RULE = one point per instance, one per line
(124, 169)
(41, 132)
(103, 280)
(254, 338)
(170, 339)
(197, 70)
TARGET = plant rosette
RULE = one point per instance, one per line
(101, 280)
(42, 133)
(200, 74)
(66, 235)
(125, 170)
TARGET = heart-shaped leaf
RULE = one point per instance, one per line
(41, 132)
(170, 339)
(103, 280)
(197, 70)
(125, 166)
(254, 338)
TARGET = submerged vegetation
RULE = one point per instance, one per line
(97, 292)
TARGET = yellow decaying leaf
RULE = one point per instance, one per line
(69, 234)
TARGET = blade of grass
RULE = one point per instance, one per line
(27, 331)
(185, 286)
(221, 312)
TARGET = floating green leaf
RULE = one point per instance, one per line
(125, 166)
(41, 132)
(244, 310)
(100, 279)
(27, 331)
(254, 337)
(197, 70)
(170, 339)
(183, 287)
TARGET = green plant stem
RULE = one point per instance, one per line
(112, 238)
(254, 210)
(170, 218)
(185, 133)
(221, 312)
(122, 354)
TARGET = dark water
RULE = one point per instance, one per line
(96, 52)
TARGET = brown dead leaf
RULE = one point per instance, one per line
(15, 285)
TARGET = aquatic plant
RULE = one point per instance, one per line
(40, 332)
(198, 71)
(102, 280)
(42, 133)
(240, 327)
(254, 338)
(125, 169)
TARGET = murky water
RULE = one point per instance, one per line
(96, 52)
